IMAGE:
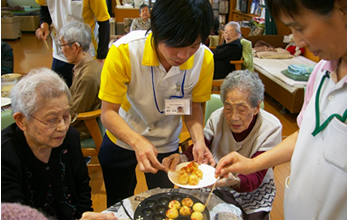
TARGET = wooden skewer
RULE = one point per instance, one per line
(209, 196)
(46, 44)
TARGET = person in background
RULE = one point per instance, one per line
(6, 58)
(241, 126)
(143, 71)
(316, 188)
(76, 38)
(59, 13)
(230, 50)
(214, 31)
(144, 22)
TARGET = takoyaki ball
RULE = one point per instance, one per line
(174, 204)
(185, 210)
(183, 177)
(172, 213)
(193, 180)
(198, 207)
(192, 166)
(187, 202)
(184, 170)
(196, 216)
(198, 172)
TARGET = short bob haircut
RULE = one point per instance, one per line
(292, 8)
(143, 6)
(179, 23)
(245, 80)
(77, 32)
(39, 85)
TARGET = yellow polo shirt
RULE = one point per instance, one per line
(132, 75)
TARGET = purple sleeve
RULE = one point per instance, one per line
(189, 151)
(252, 181)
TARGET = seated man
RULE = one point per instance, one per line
(75, 40)
(243, 127)
(6, 58)
(144, 22)
(230, 50)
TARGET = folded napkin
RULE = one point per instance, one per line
(300, 69)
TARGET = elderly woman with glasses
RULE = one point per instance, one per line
(42, 165)
(230, 50)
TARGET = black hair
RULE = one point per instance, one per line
(143, 6)
(292, 8)
(179, 23)
(216, 25)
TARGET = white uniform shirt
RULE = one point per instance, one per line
(318, 181)
(127, 79)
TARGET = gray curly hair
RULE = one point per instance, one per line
(246, 80)
(39, 84)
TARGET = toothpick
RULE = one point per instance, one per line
(209, 196)
(46, 44)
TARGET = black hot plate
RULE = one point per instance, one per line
(155, 207)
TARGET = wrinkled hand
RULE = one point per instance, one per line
(203, 155)
(233, 163)
(98, 216)
(146, 155)
(230, 181)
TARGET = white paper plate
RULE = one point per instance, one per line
(5, 101)
(208, 178)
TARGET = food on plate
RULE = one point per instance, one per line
(193, 180)
(187, 202)
(190, 174)
(184, 170)
(172, 213)
(192, 166)
(198, 172)
(198, 207)
(196, 216)
(174, 204)
(185, 210)
(183, 177)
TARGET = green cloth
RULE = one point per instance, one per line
(247, 55)
(270, 23)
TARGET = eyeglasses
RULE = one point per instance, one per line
(54, 123)
(62, 45)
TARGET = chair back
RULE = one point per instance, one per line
(91, 146)
(6, 119)
(213, 104)
(247, 55)
(127, 24)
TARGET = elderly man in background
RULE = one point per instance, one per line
(75, 39)
(144, 22)
(57, 14)
(230, 50)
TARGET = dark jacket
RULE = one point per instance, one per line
(58, 188)
(222, 56)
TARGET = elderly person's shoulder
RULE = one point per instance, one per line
(269, 118)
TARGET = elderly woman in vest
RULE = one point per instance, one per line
(241, 126)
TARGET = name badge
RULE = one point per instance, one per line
(178, 107)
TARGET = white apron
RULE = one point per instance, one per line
(318, 181)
